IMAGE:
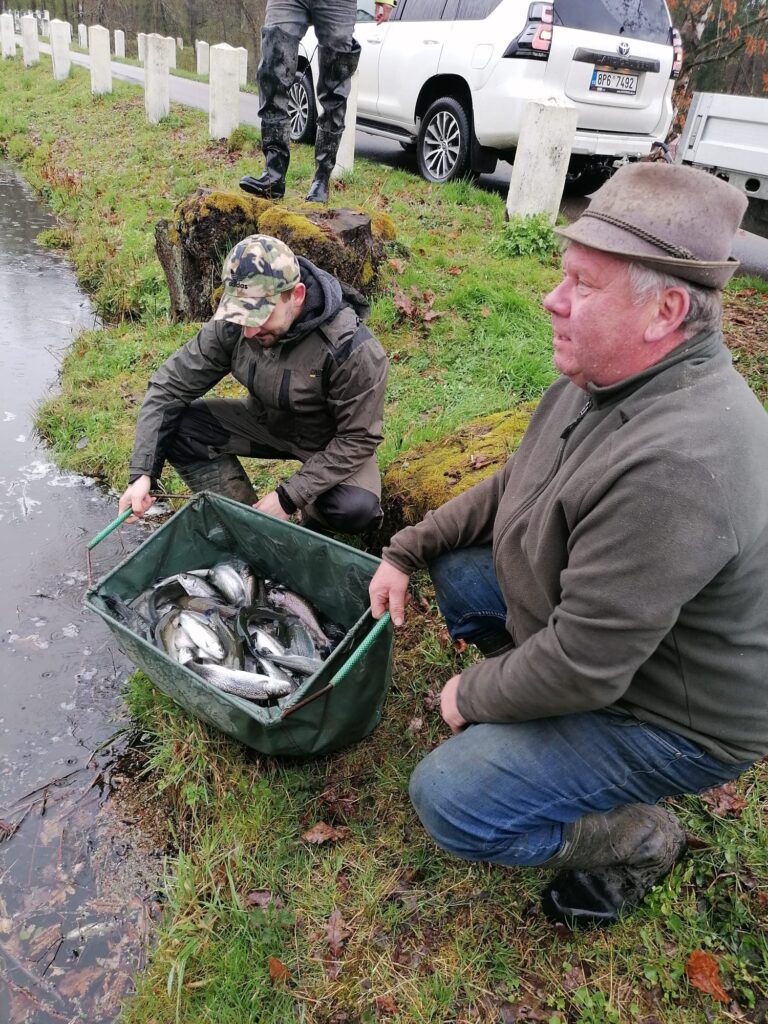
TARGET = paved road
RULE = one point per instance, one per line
(750, 249)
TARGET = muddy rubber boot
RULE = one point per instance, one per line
(275, 142)
(326, 148)
(614, 860)
(223, 475)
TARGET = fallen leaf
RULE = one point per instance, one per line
(454, 271)
(724, 800)
(337, 932)
(403, 304)
(704, 974)
(444, 637)
(260, 899)
(415, 725)
(397, 265)
(322, 832)
(479, 461)
(385, 1005)
(430, 315)
(278, 972)
(485, 311)
(459, 646)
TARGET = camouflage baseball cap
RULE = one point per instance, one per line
(256, 273)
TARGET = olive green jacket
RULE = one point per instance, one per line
(630, 542)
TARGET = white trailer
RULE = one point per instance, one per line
(728, 136)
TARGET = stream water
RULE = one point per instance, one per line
(77, 878)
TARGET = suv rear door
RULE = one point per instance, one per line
(615, 58)
(410, 54)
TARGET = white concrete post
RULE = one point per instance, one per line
(141, 45)
(60, 35)
(157, 102)
(170, 43)
(180, 42)
(541, 160)
(7, 36)
(202, 52)
(120, 43)
(345, 158)
(82, 36)
(243, 65)
(29, 41)
(46, 25)
(101, 68)
(224, 92)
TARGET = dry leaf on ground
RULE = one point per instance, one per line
(724, 800)
(260, 899)
(385, 1005)
(704, 974)
(337, 932)
(322, 832)
(278, 972)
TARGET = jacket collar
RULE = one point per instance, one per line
(705, 345)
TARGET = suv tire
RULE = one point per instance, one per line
(444, 143)
(301, 109)
(586, 175)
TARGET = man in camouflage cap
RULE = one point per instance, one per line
(314, 375)
(285, 23)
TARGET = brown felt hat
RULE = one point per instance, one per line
(670, 217)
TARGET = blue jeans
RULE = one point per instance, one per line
(505, 792)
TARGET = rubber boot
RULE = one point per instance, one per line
(493, 644)
(223, 475)
(614, 860)
(275, 142)
(326, 148)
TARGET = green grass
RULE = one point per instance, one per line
(430, 939)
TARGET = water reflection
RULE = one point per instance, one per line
(76, 877)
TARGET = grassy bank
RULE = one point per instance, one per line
(264, 924)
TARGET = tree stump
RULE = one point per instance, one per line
(193, 244)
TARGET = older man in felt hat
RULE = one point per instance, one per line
(314, 378)
(614, 572)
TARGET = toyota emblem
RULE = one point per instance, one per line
(623, 49)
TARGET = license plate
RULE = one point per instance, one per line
(613, 81)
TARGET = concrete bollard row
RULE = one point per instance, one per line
(82, 36)
(120, 44)
(141, 45)
(243, 65)
(170, 44)
(224, 91)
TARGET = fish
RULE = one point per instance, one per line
(300, 608)
(242, 684)
(130, 616)
(203, 636)
(297, 664)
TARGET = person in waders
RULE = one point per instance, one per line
(285, 23)
(614, 573)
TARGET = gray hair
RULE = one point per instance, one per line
(706, 303)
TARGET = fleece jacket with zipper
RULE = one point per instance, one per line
(630, 542)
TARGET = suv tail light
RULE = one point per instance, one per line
(534, 41)
(677, 60)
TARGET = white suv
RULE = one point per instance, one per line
(451, 78)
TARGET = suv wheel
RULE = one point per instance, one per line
(301, 109)
(586, 174)
(443, 146)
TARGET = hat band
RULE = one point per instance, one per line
(678, 251)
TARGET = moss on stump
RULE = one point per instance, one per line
(430, 474)
(192, 245)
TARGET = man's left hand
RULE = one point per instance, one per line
(270, 504)
(448, 706)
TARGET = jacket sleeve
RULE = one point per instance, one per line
(355, 398)
(461, 522)
(188, 374)
(640, 551)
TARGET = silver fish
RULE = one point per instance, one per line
(201, 634)
(242, 684)
(264, 643)
(297, 663)
(295, 604)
